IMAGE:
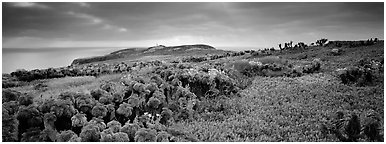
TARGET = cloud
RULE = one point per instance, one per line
(90, 18)
(30, 5)
(96, 21)
(122, 30)
(107, 26)
(261, 24)
(113, 27)
(83, 4)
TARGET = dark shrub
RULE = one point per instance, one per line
(10, 95)
(97, 93)
(25, 99)
(9, 126)
(356, 75)
(336, 52)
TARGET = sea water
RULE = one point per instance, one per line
(42, 58)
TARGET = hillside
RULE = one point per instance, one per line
(139, 52)
(326, 93)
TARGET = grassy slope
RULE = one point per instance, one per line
(287, 109)
(162, 55)
(59, 85)
(132, 54)
(291, 109)
(330, 62)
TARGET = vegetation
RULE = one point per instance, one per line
(297, 93)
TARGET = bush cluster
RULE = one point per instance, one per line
(141, 112)
(352, 44)
(352, 128)
(365, 72)
(288, 46)
(194, 59)
(10, 81)
(203, 81)
(212, 57)
(321, 42)
(77, 70)
(261, 53)
(275, 67)
(336, 52)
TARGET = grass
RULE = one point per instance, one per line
(331, 63)
(59, 85)
(287, 109)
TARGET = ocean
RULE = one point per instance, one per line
(42, 58)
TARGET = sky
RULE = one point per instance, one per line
(219, 24)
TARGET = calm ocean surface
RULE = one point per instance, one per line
(42, 58)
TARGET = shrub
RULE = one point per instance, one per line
(78, 121)
(29, 117)
(349, 129)
(372, 127)
(123, 112)
(97, 122)
(130, 129)
(48, 135)
(64, 110)
(25, 99)
(118, 97)
(84, 104)
(145, 135)
(108, 99)
(114, 126)
(11, 83)
(65, 136)
(194, 59)
(133, 100)
(10, 95)
(31, 135)
(90, 133)
(12, 107)
(321, 42)
(270, 67)
(163, 136)
(97, 93)
(108, 136)
(9, 126)
(120, 137)
(166, 114)
(99, 111)
(108, 87)
(69, 95)
(110, 113)
(152, 87)
(75, 138)
(124, 109)
(139, 87)
(353, 128)
(156, 79)
(313, 67)
(49, 120)
(336, 52)
(45, 107)
(153, 103)
(355, 75)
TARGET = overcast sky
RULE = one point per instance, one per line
(217, 24)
